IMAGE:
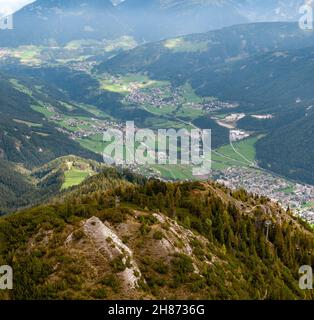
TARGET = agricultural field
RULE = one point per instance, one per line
(188, 94)
(174, 172)
(128, 83)
(122, 43)
(165, 110)
(308, 205)
(95, 111)
(28, 123)
(185, 111)
(69, 107)
(77, 51)
(44, 110)
(222, 158)
(244, 155)
(165, 122)
(182, 45)
(290, 190)
(93, 143)
(28, 55)
(20, 87)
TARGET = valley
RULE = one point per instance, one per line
(176, 107)
(74, 226)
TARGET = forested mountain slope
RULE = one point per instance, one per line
(182, 58)
(157, 241)
(28, 140)
(26, 136)
(20, 187)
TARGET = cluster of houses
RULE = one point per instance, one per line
(299, 197)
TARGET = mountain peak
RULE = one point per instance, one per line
(72, 3)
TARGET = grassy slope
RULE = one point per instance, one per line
(74, 177)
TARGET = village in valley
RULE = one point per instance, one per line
(235, 174)
(289, 194)
(150, 94)
(233, 165)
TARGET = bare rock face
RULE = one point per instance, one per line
(111, 247)
(104, 249)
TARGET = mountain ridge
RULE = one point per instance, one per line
(196, 240)
(144, 20)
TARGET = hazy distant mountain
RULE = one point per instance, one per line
(176, 17)
(269, 10)
(190, 56)
(171, 18)
(255, 10)
(59, 21)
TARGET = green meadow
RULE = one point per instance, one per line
(74, 177)
(225, 156)
(183, 45)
